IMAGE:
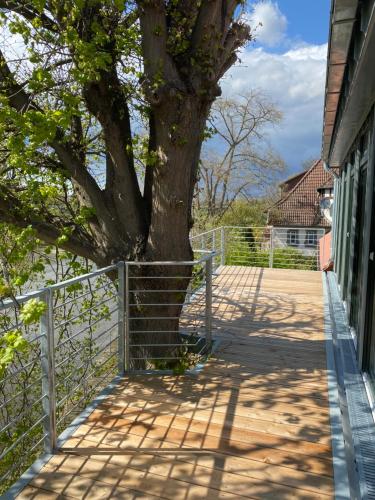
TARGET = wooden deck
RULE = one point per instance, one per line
(254, 423)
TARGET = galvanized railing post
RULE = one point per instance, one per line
(223, 246)
(47, 356)
(127, 332)
(121, 317)
(213, 245)
(271, 249)
(208, 315)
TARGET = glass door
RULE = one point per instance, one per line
(357, 274)
(371, 319)
(369, 353)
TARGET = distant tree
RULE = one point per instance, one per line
(68, 105)
(247, 213)
(243, 163)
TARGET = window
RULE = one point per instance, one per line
(311, 239)
(292, 237)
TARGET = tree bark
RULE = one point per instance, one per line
(174, 175)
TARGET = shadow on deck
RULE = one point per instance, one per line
(253, 423)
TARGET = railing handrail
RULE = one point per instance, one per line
(40, 292)
(195, 262)
(5, 304)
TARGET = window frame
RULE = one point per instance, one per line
(292, 237)
(311, 233)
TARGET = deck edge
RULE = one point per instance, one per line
(340, 469)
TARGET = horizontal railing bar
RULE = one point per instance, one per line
(78, 279)
(159, 277)
(59, 403)
(210, 231)
(154, 317)
(173, 262)
(70, 375)
(78, 402)
(164, 291)
(20, 438)
(8, 303)
(154, 331)
(167, 345)
(152, 358)
(84, 312)
(74, 299)
(76, 352)
(14, 327)
(22, 368)
(20, 416)
(80, 332)
(20, 393)
(25, 457)
(104, 332)
(57, 286)
(164, 304)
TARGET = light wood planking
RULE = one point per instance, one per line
(254, 423)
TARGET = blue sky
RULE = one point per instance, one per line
(307, 20)
(288, 64)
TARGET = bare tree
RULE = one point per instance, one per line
(243, 163)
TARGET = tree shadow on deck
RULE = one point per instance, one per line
(253, 423)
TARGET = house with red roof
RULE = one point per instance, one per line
(304, 212)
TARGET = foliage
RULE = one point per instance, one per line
(32, 311)
(11, 342)
(240, 213)
(247, 213)
(257, 254)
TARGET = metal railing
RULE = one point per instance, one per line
(127, 317)
(132, 316)
(267, 247)
(168, 313)
(67, 357)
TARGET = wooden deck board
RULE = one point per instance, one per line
(254, 423)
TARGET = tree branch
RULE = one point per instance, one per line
(26, 10)
(74, 165)
(13, 212)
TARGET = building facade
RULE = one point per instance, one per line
(304, 212)
(348, 143)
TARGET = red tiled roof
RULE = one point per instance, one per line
(291, 182)
(300, 205)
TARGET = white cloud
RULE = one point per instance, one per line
(270, 23)
(295, 81)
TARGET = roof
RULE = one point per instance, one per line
(343, 17)
(350, 89)
(300, 206)
(289, 183)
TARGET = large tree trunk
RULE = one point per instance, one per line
(178, 146)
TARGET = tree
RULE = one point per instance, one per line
(242, 164)
(68, 109)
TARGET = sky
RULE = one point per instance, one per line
(287, 62)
